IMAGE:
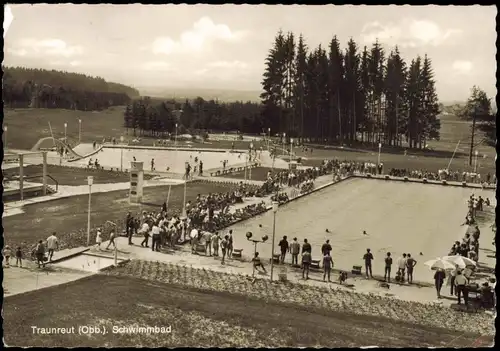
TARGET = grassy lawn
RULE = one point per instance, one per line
(27, 126)
(69, 175)
(197, 318)
(68, 216)
(258, 173)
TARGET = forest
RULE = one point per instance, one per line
(324, 96)
(40, 88)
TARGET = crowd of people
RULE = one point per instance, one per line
(443, 174)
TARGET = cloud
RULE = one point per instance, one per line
(462, 67)
(204, 32)
(51, 47)
(228, 64)
(407, 33)
(156, 65)
(7, 20)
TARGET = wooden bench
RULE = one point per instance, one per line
(356, 270)
(237, 253)
(315, 264)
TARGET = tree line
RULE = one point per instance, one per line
(346, 96)
(40, 88)
(148, 116)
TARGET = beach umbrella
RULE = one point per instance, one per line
(439, 263)
(461, 261)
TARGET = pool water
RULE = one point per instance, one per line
(87, 263)
(398, 217)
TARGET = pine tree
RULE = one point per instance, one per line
(395, 81)
(300, 73)
(352, 85)
(431, 122)
(272, 84)
(335, 80)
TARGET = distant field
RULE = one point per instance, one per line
(27, 126)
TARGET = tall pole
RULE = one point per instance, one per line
(184, 213)
(272, 245)
(65, 132)
(473, 131)
(291, 147)
(379, 149)
(175, 143)
(90, 180)
(452, 156)
(246, 166)
(5, 136)
(284, 137)
(475, 161)
(79, 131)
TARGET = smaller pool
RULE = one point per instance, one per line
(86, 263)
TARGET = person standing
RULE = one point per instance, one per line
(129, 224)
(7, 253)
(461, 286)
(368, 257)
(283, 244)
(295, 250)
(306, 263)
(326, 248)
(223, 247)
(146, 233)
(230, 243)
(438, 281)
(155, 245)
(19, 257)
(207, 237)
(402, 267)
(215, 244)
(52, 245)
(201, 168)
(306, 247)
(388, 265)
(112, 236)
(327, 266)
(453, 275)
(98, 240)
(40, 254)
(410, 265)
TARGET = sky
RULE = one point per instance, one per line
(224, 46)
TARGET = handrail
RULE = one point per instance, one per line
(39, 176)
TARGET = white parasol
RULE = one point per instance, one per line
(461, 261)
(439, 263)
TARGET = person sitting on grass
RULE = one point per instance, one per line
(257, 263)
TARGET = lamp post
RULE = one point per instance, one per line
(275, 210)
(291, 148)
(476, 153)
(184, 213)
(255, 242)
(268, 138)
(5, 137)
(65, 129)
(284, 137)
(379, 149)
(90, 181)
(79, 130)
(175, 142)
(121, 154)
(250, 157)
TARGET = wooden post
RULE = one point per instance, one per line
(21, 175)
(44, 173)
